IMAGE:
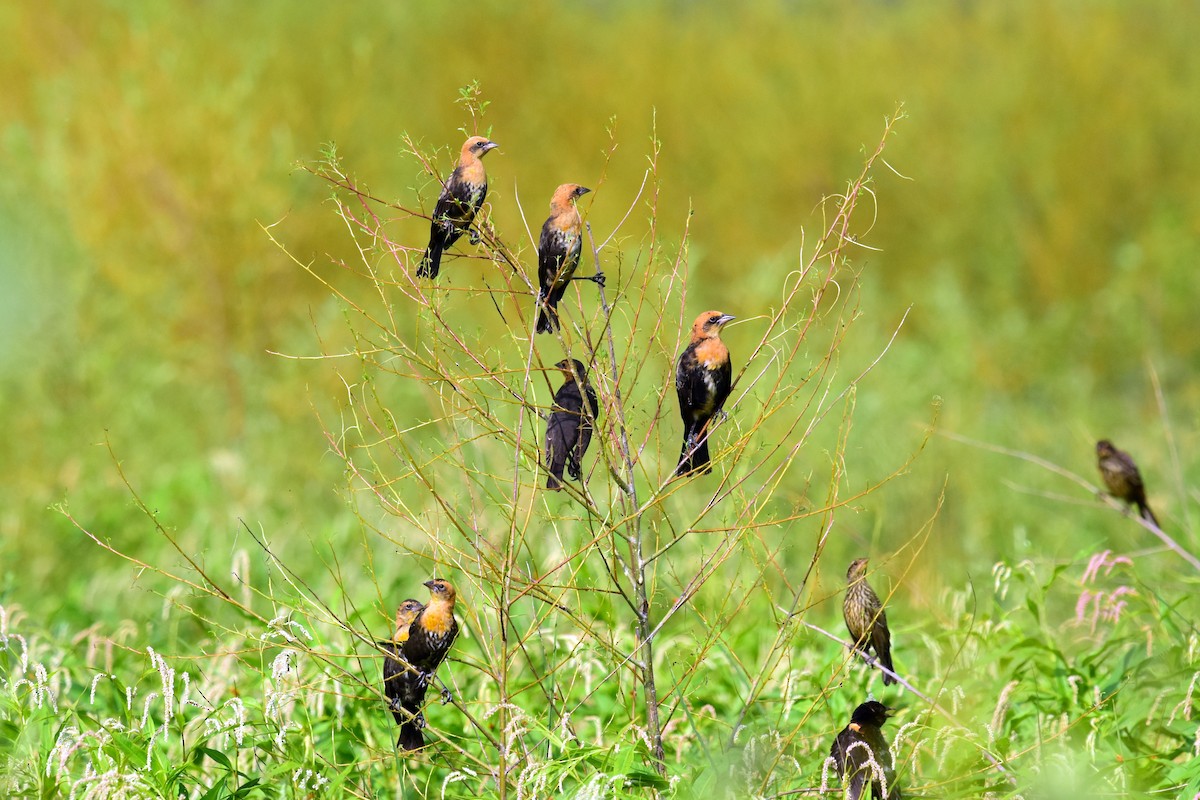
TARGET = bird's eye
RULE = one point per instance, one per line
(714, 320)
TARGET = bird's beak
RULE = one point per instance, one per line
(490, 146)
(726, 318)
(891, 711)
(428, 585)
(581, 190)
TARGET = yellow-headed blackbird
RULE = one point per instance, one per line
(865, 618)
(558, 254)
(430, 635)
(569, 430)
(461, 197)
(860, 753)
(702, 380)
(400, 680)
(1122, 478)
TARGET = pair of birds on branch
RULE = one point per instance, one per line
(860, 752)
(422, 639)
(703, 380)
(559, 246)
(703, 376)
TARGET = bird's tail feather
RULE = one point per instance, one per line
(410, 736)
(1148, 515)
(431, 263)
(547, 319)
(554, 482)
(693, 461)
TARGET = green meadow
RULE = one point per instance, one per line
(960, 240)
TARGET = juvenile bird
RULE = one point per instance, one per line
(400, 680)
(860, 753)
(430, 635)
(569, 430)
(865, 618)
(1123, 479)
(558, 254)
(702, 381)
(461, 197)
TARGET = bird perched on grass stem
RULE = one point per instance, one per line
(1123, 479)
(558, 254)
(461, 197)
(569, 429)
(865, 618)
(860, 753)
(401, 681)
(703, 378)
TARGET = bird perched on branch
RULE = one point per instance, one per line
(558, 254)
(401, 681)
(703, 379)
(860, 753)
(461, 197)
(569, 429)
(865, 617)
(1123, 479)
(429, 637)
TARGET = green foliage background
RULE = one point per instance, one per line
(1045, 238)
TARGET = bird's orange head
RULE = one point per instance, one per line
(565, 365)
(1105, 448)
(566, 194)
(708, 325)
(477, 147)
(858, 569)
(407, 612)
(440, 589)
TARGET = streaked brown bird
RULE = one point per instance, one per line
(703, 379)
(861, 754)
(865, 618)
(1123, 479)
(461, 197)
(558, 254)
(569, 429)
(400, 680)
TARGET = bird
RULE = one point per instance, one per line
(461, 197)
(569, 429)
(400, 680)
(702, 379)
(860, 753)
(558, 254)
(429, 637)
(1123, 479)
(865, 618)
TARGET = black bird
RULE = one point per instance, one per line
(569, 429)
(703, 379)
(401, 681)
(558, 254)
(430, 636)
(860, 753)
(1123, 479)
(461, 197)
(865, 618)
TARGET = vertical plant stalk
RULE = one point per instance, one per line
(644, 647)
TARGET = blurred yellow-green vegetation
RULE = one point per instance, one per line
(1041, 227)
(1045, 239)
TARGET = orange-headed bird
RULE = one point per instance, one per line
(430, 635)
(558, 254)
(1123, 479)
(569, 430)
(702, 380)
(400, 680)
(461, 197)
